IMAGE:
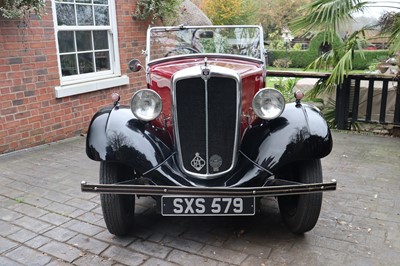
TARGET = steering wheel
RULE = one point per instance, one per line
(177, 49)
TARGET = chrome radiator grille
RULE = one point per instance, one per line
(206, 113)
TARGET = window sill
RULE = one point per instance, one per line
(69, 90)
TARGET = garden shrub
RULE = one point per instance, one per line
(371, 57)
(302, 58)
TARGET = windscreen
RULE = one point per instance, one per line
(242, 41)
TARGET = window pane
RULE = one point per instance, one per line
(85, 63)
(103, 2)
(66, 41)
(85, 48)
(102, 61)
(84, 14)
(84, 41)
(100, 40)
(68, 65)
(101, 15)
(65, 14)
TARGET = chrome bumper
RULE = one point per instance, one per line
(153, 190)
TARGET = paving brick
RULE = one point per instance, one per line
(30, 210)
(88, 244)
(7, 261)
(37, 241)
(28, 256)
(82, 227)
(62, 251)
(55, 195)
(182, 244)
(185, 258)
(253, 260)
(315, 255)
(247, 247)
(60, 234)
(8, 229)
(32, 224)
(81, 204)
(37, 200)
(94, 260)
(223, 254)
(360, 260)
(6, 244)
(21, 186)
(58, 262)
(54, 218)
(114, 240)
(124, 255)
(42, 210)
(149, 248)
(9, 215)
(12, 194)
(62, 209)
(157, 237)
(22, 235)
(158, 262)
(90, 217)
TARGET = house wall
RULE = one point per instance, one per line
(30, 114)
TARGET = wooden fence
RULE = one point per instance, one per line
(361, 98)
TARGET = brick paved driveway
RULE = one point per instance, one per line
(46, 220)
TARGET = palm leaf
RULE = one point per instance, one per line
(326, 15)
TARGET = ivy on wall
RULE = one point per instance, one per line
(166, 10)
(22, 9)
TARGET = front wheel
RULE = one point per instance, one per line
(300, 212)
(118, 210)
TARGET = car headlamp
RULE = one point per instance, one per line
(268, 104)
(146, 104)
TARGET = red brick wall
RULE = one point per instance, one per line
(30, 114)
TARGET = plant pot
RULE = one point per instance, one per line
(383, 67)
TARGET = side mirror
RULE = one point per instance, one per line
(134, 65)
(206, 34)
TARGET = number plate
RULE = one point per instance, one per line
(208, 206)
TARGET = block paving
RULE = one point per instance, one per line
(46, 220)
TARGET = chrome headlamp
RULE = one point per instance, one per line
(268, 104)
(146, 104)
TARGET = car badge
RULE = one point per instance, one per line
(205, 70)
(198, 162)
(215, 162)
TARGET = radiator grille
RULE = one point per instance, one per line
(207, 123)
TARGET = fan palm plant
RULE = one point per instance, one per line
(328, 15)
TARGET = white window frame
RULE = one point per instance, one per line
(83, 83)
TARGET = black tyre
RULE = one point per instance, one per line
(118, 210)
(300, 212)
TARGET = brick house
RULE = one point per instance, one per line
(56, 73)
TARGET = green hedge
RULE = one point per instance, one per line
(301, 59)
(370, 57)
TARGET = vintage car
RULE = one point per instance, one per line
(206, 137)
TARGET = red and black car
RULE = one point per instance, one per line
(206, 137)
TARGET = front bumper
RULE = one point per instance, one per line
(272, 190)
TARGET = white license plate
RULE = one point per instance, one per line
(207, 206)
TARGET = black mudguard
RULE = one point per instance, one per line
(300, 133)
(116, 135)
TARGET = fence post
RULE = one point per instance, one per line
(342, 103)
